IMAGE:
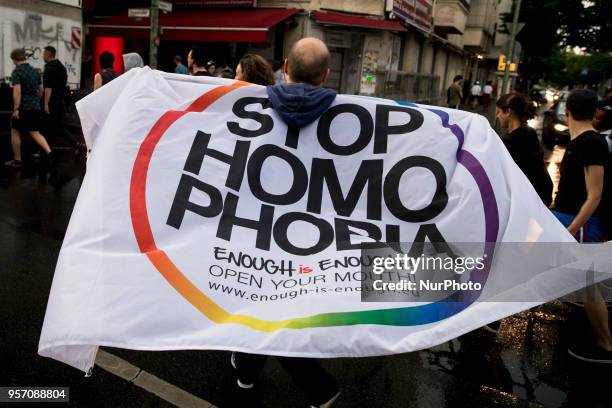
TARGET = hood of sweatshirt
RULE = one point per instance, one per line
(300, 104)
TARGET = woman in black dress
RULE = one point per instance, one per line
(513, 110)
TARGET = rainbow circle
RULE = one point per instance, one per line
(401, 316)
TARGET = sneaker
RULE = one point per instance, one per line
(15, 164)
(591, 353)
(240, 383)
(329, 403)
(493, 327)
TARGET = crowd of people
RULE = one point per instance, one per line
(38, 106)
(296, 93)
(461, 93)
(584, 194)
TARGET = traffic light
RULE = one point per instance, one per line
(501, 62)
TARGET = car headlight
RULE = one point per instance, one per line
(560, 127)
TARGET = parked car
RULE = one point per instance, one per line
(538, 96)
(554, 126)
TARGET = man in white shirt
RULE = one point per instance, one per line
(475, 93)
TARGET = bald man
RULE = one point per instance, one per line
(299, 102)
(302, 100)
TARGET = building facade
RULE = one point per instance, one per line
(35, 24)
(399, 49)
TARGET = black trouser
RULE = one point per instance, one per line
(54, 127)
(316, 383)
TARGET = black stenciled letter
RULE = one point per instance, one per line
(181, 201)
(237, 162)
(392, 195)
(431, 233)
(263, 226)
(239, 109)
(366, 127)
(299, 182)
(281, 227)
(383, 129)
(344, 233)
(369, 173)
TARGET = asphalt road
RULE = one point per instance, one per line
(525, 364)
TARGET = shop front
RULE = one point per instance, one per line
(226, 34)
(360, 49)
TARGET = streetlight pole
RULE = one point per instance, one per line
(154, 33)
(505, 83)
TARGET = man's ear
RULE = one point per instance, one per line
(325, 75)
(286, 69)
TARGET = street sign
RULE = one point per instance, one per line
(508, 27)
(165, 6)
(139, 12)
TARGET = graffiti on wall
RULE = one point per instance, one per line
(34, 31)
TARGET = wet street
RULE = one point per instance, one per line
(526, 364)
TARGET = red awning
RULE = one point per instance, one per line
(351, 20)
(217, 25)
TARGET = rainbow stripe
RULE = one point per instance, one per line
(402, 316)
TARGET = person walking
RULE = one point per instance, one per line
(602, 122)
(487, 92)
(577, 206)
(299, 102)
(475, 93)
(55, 79)
(454, 93)
(132, 60)
(107, 74)
(513, 110)
(180, 68)
(211, 68)
(196, 61)
(26, 117)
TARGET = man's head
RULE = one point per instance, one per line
(48, 53)
(307, 62)
(457, 79)
(603, 117)
(580, 106)
(210, 67)
(18, 55)
(177, 59)
(196, 59)
(107, 60)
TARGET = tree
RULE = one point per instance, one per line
(553, 25)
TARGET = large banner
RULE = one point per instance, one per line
(204, 222)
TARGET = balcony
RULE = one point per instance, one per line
(450, 17)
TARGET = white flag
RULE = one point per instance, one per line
(204, 222)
